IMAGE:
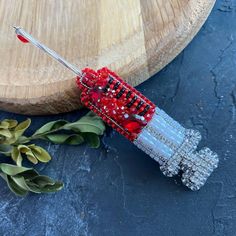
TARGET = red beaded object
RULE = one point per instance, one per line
(116, 102)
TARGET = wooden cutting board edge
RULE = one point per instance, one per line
(67, 96)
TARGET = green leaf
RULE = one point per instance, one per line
(41, 154)
(26, 150)
(23, 148)
(15, 188)
(33, 187)
(52, 188)
(6, 133)
(50, 126)
(31, 157)
(4, 125)
(16, 156)
(72, 139)
(12, 169)
(20, 181)
(29, 174)
(87, 124)
(58, 138)
(44, 184)
(11, 123)
(19, 160)
(92, 139)
(42, 180)
(6, 149)
(20, 128)
(75, 139)
(23, 139)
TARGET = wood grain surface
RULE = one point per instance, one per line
(135, 38)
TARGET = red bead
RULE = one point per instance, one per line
(95, 95)
(101, 82)
(112, 86)
(132, 126)
(22, 39)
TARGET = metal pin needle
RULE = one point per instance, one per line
(21, 32)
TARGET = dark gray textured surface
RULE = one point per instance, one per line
(117, 189)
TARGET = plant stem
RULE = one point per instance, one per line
(25, 139)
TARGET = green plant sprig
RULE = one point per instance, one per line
(17, 146)
(22, 180)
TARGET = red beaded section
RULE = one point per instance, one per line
(116, 102)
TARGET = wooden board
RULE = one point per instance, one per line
(135, 38)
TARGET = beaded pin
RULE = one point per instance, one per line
(139, 120)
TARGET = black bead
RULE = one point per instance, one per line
(108, 84)
(132, 101)
(110, 80)
(144, 111)
(120, 93)
(139, 105)
(116, 85)
(128, 94)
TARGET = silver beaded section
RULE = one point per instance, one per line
(174, 148)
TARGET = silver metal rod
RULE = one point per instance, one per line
(20, 31)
